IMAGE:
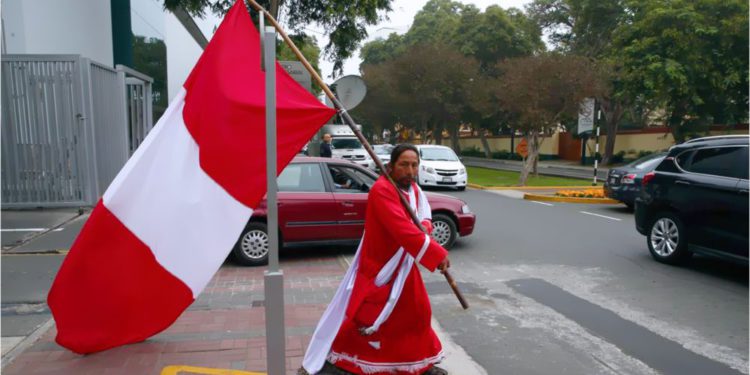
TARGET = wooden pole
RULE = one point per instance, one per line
(345, 115)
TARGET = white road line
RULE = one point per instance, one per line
(602, 216)
(543, 203)
(24, 230)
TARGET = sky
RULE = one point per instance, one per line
(399, 20)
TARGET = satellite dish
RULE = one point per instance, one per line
(350, 90)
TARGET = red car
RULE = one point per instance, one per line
(322, 202)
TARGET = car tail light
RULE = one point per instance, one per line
(628, 178)
(648, 177)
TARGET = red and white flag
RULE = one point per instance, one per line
(170, 217)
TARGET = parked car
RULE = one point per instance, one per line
(624, 183)
(696, 201)
(383, 152)
(439, 166)
(322, 201)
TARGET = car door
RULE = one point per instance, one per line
(350, 188)
(741, 209)
(307, 211)
(711, 181)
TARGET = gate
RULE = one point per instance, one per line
(65, 129)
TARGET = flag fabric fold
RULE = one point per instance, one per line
(171, 216)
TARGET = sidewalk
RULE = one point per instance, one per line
(223, 329)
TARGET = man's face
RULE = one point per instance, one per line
(327, 138)
(406, 169)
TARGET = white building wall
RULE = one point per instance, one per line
(182, 50)
(80, 27)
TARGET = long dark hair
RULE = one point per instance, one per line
(400, 149)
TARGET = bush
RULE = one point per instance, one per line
(472, 151)
(588, 193)
(617, 158)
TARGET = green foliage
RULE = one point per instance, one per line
(344, 20)
(309, 48)
(150, 58)
(472, 151)
(688, 57)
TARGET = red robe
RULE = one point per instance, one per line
(405, 343)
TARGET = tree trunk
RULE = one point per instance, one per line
(454, 140)
(485, 144)
(532, 138)
(438, 134)
(613, 112)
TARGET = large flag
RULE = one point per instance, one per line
(170, 217)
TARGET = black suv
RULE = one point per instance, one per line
(696, 200)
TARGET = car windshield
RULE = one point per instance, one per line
(346, 143)
(648, 163)
(437, 154)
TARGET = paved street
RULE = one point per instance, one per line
(571, 289)
(554, 288)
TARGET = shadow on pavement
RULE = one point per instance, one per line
(719, 268)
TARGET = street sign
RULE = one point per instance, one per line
(586, 116)
(523, 148)
(298, 73)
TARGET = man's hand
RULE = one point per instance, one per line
(445, 264)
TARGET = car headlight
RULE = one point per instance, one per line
(465, 209)
(428, 169)
(462, 171)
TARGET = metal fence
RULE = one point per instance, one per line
(66, 126)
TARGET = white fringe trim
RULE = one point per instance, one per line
(389, 367)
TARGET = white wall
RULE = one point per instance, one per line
(81, 27)
(182, 50)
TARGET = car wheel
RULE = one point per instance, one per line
(252, 247)
(630, 205)
(667, 239)
(444, 230)
(461, 188)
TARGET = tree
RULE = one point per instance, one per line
(587, 28)
(150, 58)
(690, 58)
(541, 91)
(344, 20)
(483, 38)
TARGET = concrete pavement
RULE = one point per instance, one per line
(224, 328)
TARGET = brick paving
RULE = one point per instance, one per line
(224, 328)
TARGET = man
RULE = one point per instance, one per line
(326, 150)
(379, 319)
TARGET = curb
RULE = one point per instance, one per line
(482, 187)
(475, 186)
(36, 252)
(547, 198)
(27, 342)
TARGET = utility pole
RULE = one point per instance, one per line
(273, 277)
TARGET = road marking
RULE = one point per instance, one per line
(659, 353)
(602, 216)
(24, 230)
(543, 203)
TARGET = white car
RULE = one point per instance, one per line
(439, 166)
(383, 152)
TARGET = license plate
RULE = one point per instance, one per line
(447, 179)
(613, 180)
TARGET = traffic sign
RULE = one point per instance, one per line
(523, 148)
